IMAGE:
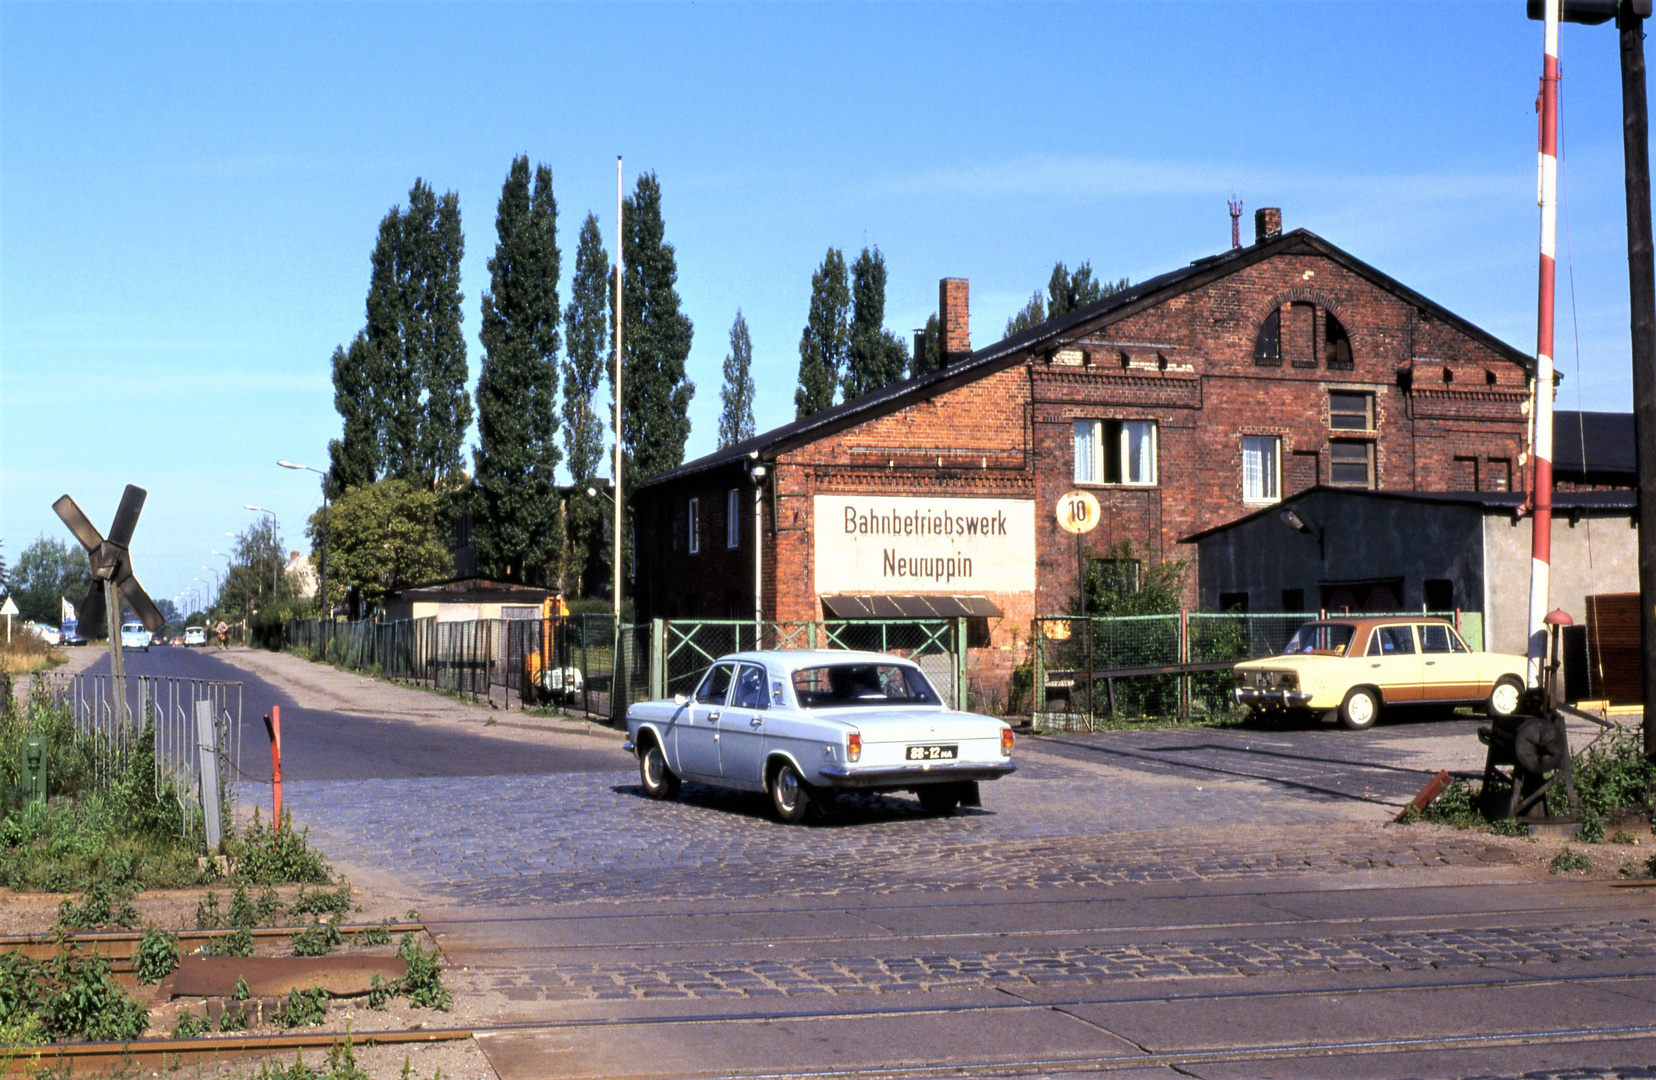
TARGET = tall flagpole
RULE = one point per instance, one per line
(615, 586)
(1541, 445)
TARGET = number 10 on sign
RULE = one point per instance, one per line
(1078, 512)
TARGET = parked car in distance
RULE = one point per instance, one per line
(69, 634)
(803, 726)
(195, 635)
(135, 635)
(50, 635)
(1349, 668)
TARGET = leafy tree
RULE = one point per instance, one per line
(169, 611)
(656, 403)
(826, 338)
(255, 577)
(518, 529)
(1125, 582)
(736, 420)
(875, 357)
(414, 322)
(5, 577)
(587, 363)
(381, 537)
(930, 358)
(358, 379)
(49, 571)
(1032, 314)
(1067, 291)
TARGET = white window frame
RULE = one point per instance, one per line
(1090, 459)
(733, 519)
(693, 521)
(1267, 450)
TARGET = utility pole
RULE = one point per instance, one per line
(620, 283)
(1641, 286)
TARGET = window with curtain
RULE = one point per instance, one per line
(1115, 452)
(1261, 468)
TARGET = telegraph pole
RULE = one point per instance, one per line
(1641, 285)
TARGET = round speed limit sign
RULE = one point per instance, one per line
(1078, 512)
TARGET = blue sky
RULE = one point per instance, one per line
(189, 194)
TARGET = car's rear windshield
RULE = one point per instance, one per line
(1321, 637)
(842, 685)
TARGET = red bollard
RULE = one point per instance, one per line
(273, 728)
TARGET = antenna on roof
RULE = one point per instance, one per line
(1236, 222)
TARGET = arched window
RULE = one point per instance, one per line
(1336, 343)
(1268, 345)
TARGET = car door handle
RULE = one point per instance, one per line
(1375, 664)
(1429, 663)
(755, 722)
(712, 718)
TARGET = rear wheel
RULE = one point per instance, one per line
(658, 780)
(1360, 709)
(789, 796)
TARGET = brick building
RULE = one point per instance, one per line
(1189, 400)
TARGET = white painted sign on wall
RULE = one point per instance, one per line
(915, 544)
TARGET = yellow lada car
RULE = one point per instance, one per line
(1350, 668)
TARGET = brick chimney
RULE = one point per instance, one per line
(1267, 223)
(954, 315)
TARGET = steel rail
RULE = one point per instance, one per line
(168, 1053)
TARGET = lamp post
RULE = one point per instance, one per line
(323, 587)
(275, 557)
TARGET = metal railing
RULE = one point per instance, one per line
(1157, 666)
(115, 715)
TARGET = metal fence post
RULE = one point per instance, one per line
(207, 748)
(962, 699)
(658, 659)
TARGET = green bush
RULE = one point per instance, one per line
(156, 956)
(1611, 774)
(101, 907)
(266, 856)
(323, 902)
(1569, 861)
(190, 1026)
(422, 984)
(71, 996)
(317, 939)
(303, 1008)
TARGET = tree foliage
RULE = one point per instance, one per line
(1031, 314)
(256, 576)
(657, 335)
(49, 571)
(588, 356)
(1127, 582)
(736, 416)
(875, 357)
(826, 338)
(381, 537)
(1067, 290)
(402, 395)
(517, 527)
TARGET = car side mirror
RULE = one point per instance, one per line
(680, 699)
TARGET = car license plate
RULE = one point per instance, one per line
(933, 753)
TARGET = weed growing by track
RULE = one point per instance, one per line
(71, 996)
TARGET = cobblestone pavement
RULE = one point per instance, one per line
(1020, 968)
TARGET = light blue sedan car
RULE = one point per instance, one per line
(803, 725)
(135, 635)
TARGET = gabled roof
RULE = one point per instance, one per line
(1594, 442)
(1509, 501)
(1054, 332)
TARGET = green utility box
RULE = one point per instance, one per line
(34, 770)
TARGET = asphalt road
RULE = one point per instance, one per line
(323, 745)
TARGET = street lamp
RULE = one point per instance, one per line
(275, 558)
(324, 568)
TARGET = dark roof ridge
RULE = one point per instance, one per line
(991, 358)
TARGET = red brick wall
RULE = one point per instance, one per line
(1186, 362)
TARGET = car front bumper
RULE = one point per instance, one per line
(1255, 698)
(899, 777)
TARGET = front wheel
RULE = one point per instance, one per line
(658, 780)
(1505, 697)
(789, 797)
(1360, 709)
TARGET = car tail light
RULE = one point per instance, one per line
(1006, 742)
(1240, 676)
(853, 747)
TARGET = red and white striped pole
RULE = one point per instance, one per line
(1541, 445)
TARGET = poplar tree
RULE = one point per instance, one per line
(1067, 290)
(414, 319)
(929, 357)
(587, 357)
(517, 528)
(354, 457)
(656, 394)
(1032, 314)
(824, 342)
(875, 357)
(736, 418)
